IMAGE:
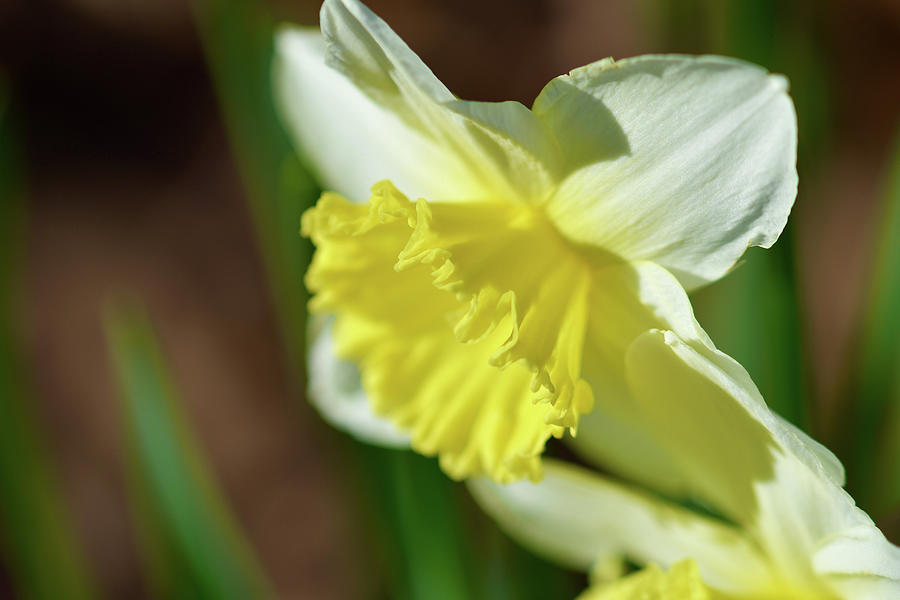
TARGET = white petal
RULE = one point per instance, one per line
(780, 486)
(577, 518)
(820, 540)
(627, 300)
(612, 438)
(685, 161)
(821, 458)
(703, 408)
(504, 146)
(350, 141)
(861, 563)
(336, 392)
(861, 550)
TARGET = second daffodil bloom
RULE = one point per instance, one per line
(508, 256)
(785, 529)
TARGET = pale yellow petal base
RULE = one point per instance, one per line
(681, 582)
(467, 321)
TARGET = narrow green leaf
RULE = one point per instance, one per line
(684, 26)
(506, 571)
(194, 546)
(875, 476)
(43, 559)
(418, 525)
(238, 39)
(37, 538)
(886, 503)
(786, 38)
(434, 542)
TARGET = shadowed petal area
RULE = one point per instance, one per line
(626, 300)
(713, 428)
(467, 322)
(782, 488)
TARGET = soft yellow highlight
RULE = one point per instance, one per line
(432, 298)
(681, 582)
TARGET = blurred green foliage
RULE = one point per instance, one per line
(874, 396)
(238, 38)
(191, 543)
(437, 544)
(36, 535)
(416, 523)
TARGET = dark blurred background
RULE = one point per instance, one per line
(131, 181)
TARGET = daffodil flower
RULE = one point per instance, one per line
(785, 529)
(507, 256)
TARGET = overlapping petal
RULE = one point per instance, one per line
(715, 431)
(860, 563)
(782, 488)
(737, 436)
(350, 140)
(820, 539)
(684, 161)
(504, 146)
(579, 518)
(628, 299)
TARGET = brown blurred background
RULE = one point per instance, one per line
(131, 184)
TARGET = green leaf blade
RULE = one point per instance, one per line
(44, 560)
(875, 398)
(193, 544)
